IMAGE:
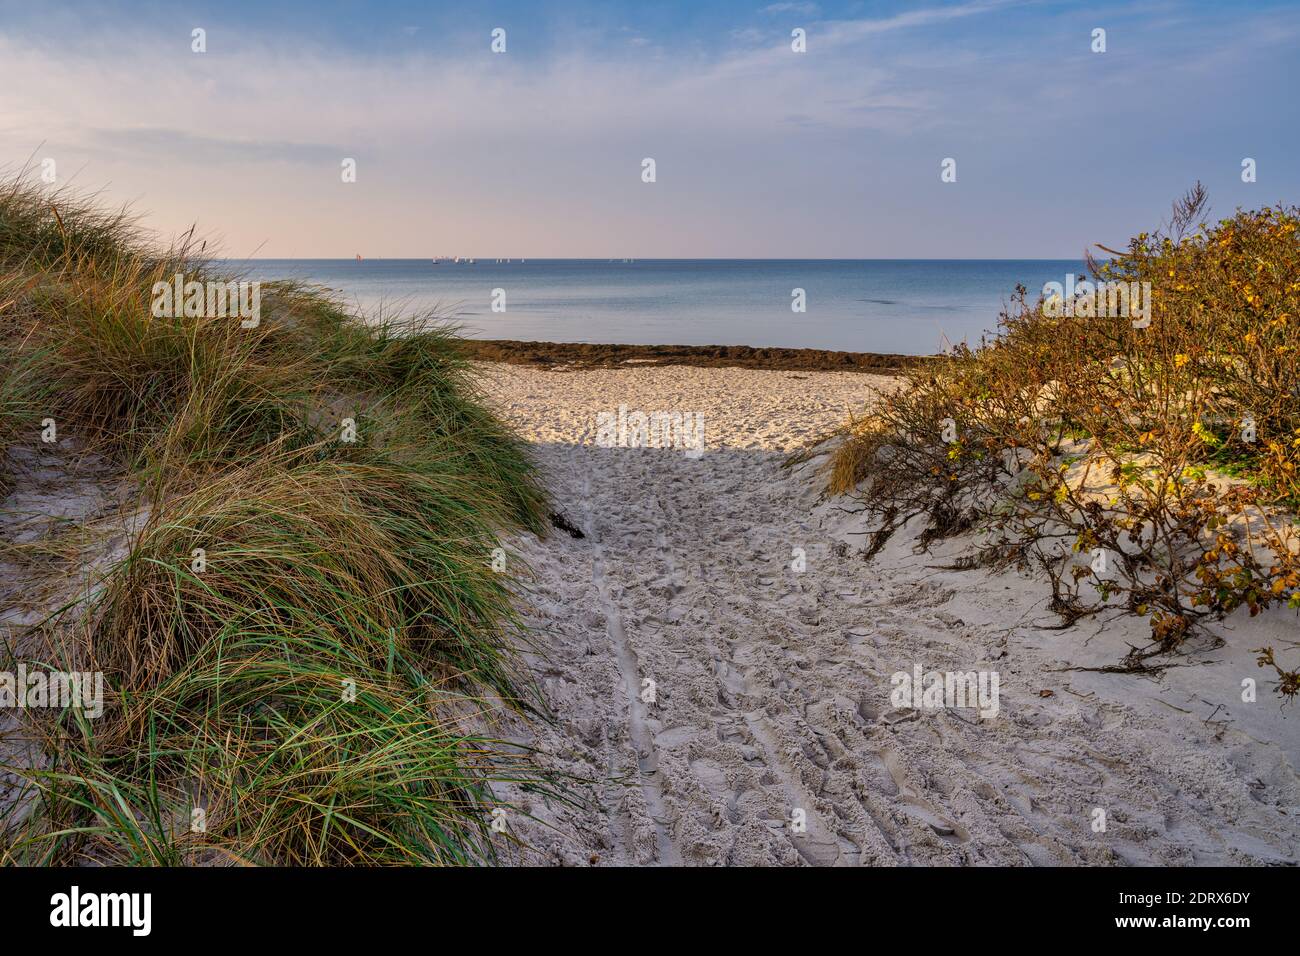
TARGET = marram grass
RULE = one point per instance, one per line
(305, 636)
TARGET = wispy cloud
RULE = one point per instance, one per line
(807, 9)
(176, 144)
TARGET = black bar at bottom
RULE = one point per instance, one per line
(331, 906)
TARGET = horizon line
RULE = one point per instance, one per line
(627, 260)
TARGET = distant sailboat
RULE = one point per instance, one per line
(359, 259)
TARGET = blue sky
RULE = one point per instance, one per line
(759, 151)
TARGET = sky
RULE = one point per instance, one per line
(760, 151)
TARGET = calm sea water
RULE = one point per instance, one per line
(859, 305)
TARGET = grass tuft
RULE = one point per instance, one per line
(304, 639)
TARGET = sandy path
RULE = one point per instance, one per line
(771, 686)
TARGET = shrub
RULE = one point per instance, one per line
(1164, 451)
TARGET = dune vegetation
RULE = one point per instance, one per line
(1149, 464)
(304, 625)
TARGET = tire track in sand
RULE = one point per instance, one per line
(642, 740)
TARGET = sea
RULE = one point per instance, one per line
(908, 306)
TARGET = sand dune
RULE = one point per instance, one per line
(771, 685)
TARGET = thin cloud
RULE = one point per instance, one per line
(204, 150)
(807, 9)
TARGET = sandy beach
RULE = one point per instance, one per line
(717, 660)
(436, 440)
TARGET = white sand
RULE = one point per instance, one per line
(772, 687)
